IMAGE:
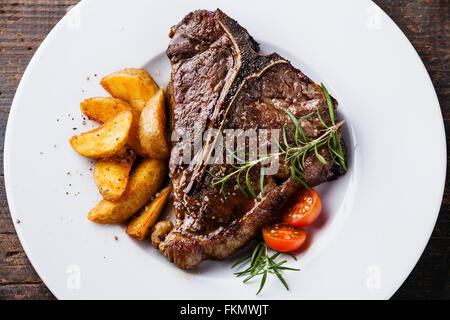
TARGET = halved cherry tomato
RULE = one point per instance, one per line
(306, 210)
(283, 237)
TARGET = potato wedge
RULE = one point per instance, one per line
(135, 86)
(102, 109)
(107, 140)
(145, 180)
(111, 174)
(139, 227)
(152, 128)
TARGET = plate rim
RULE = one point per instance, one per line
(444, 145)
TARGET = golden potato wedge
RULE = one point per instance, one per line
(111, 174)
(139, 227)
(133, 140)
(107, 140)
(135, 86)
(152, 128)
(102, 109)
(145, 180)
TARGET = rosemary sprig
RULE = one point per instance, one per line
(294, 155)
(262, 264)
(337, 147)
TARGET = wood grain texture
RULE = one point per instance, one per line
(25, 23)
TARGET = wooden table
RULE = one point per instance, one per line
(25, 23)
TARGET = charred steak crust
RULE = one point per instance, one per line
(220, 81)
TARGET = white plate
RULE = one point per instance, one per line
(377, 219)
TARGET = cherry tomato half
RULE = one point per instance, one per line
(283, 237)
(306, 210)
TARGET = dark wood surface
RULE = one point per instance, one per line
(25, 23)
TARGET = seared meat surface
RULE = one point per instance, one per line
(220, 81)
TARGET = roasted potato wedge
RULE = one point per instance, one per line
(152, 128)
(145, 180)
(111, 174)
(139, 227)
(101, 109)
(107, 140)
(135, 86)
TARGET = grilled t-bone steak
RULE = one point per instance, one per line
(220, 81)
